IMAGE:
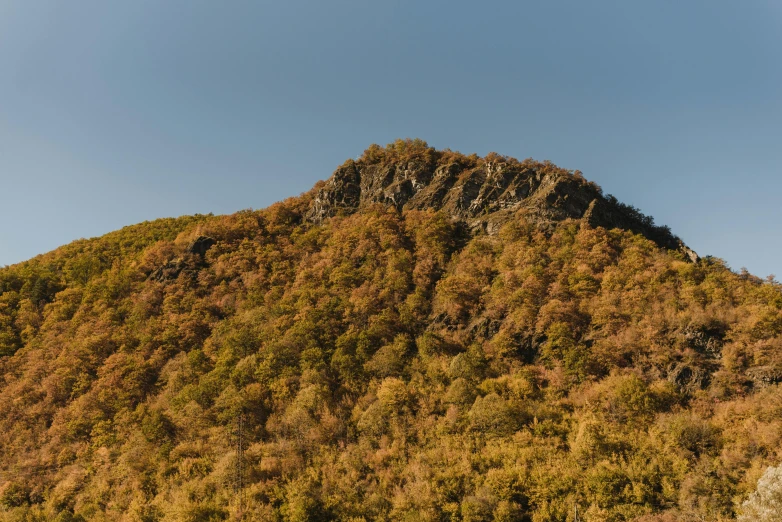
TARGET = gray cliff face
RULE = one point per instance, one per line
(483, 194)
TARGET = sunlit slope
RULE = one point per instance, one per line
(390, 359)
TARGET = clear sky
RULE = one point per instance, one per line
(115, 112)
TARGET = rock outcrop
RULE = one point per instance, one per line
(200, 245)
(189, 264)
(689, 378)
(483, 192)
(763, 376)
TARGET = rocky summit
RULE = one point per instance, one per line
(483, 192)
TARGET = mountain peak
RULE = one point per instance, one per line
(485, 192)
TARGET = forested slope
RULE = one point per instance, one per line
(426, 336)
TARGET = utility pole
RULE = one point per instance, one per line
(575, 513)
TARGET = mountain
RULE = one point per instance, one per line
(424, 336)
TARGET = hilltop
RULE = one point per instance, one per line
(426, 335)
(485, 192)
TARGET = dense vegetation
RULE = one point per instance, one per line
(387, 366)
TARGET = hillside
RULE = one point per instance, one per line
(424, 336)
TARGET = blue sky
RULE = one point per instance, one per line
(113, 113)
